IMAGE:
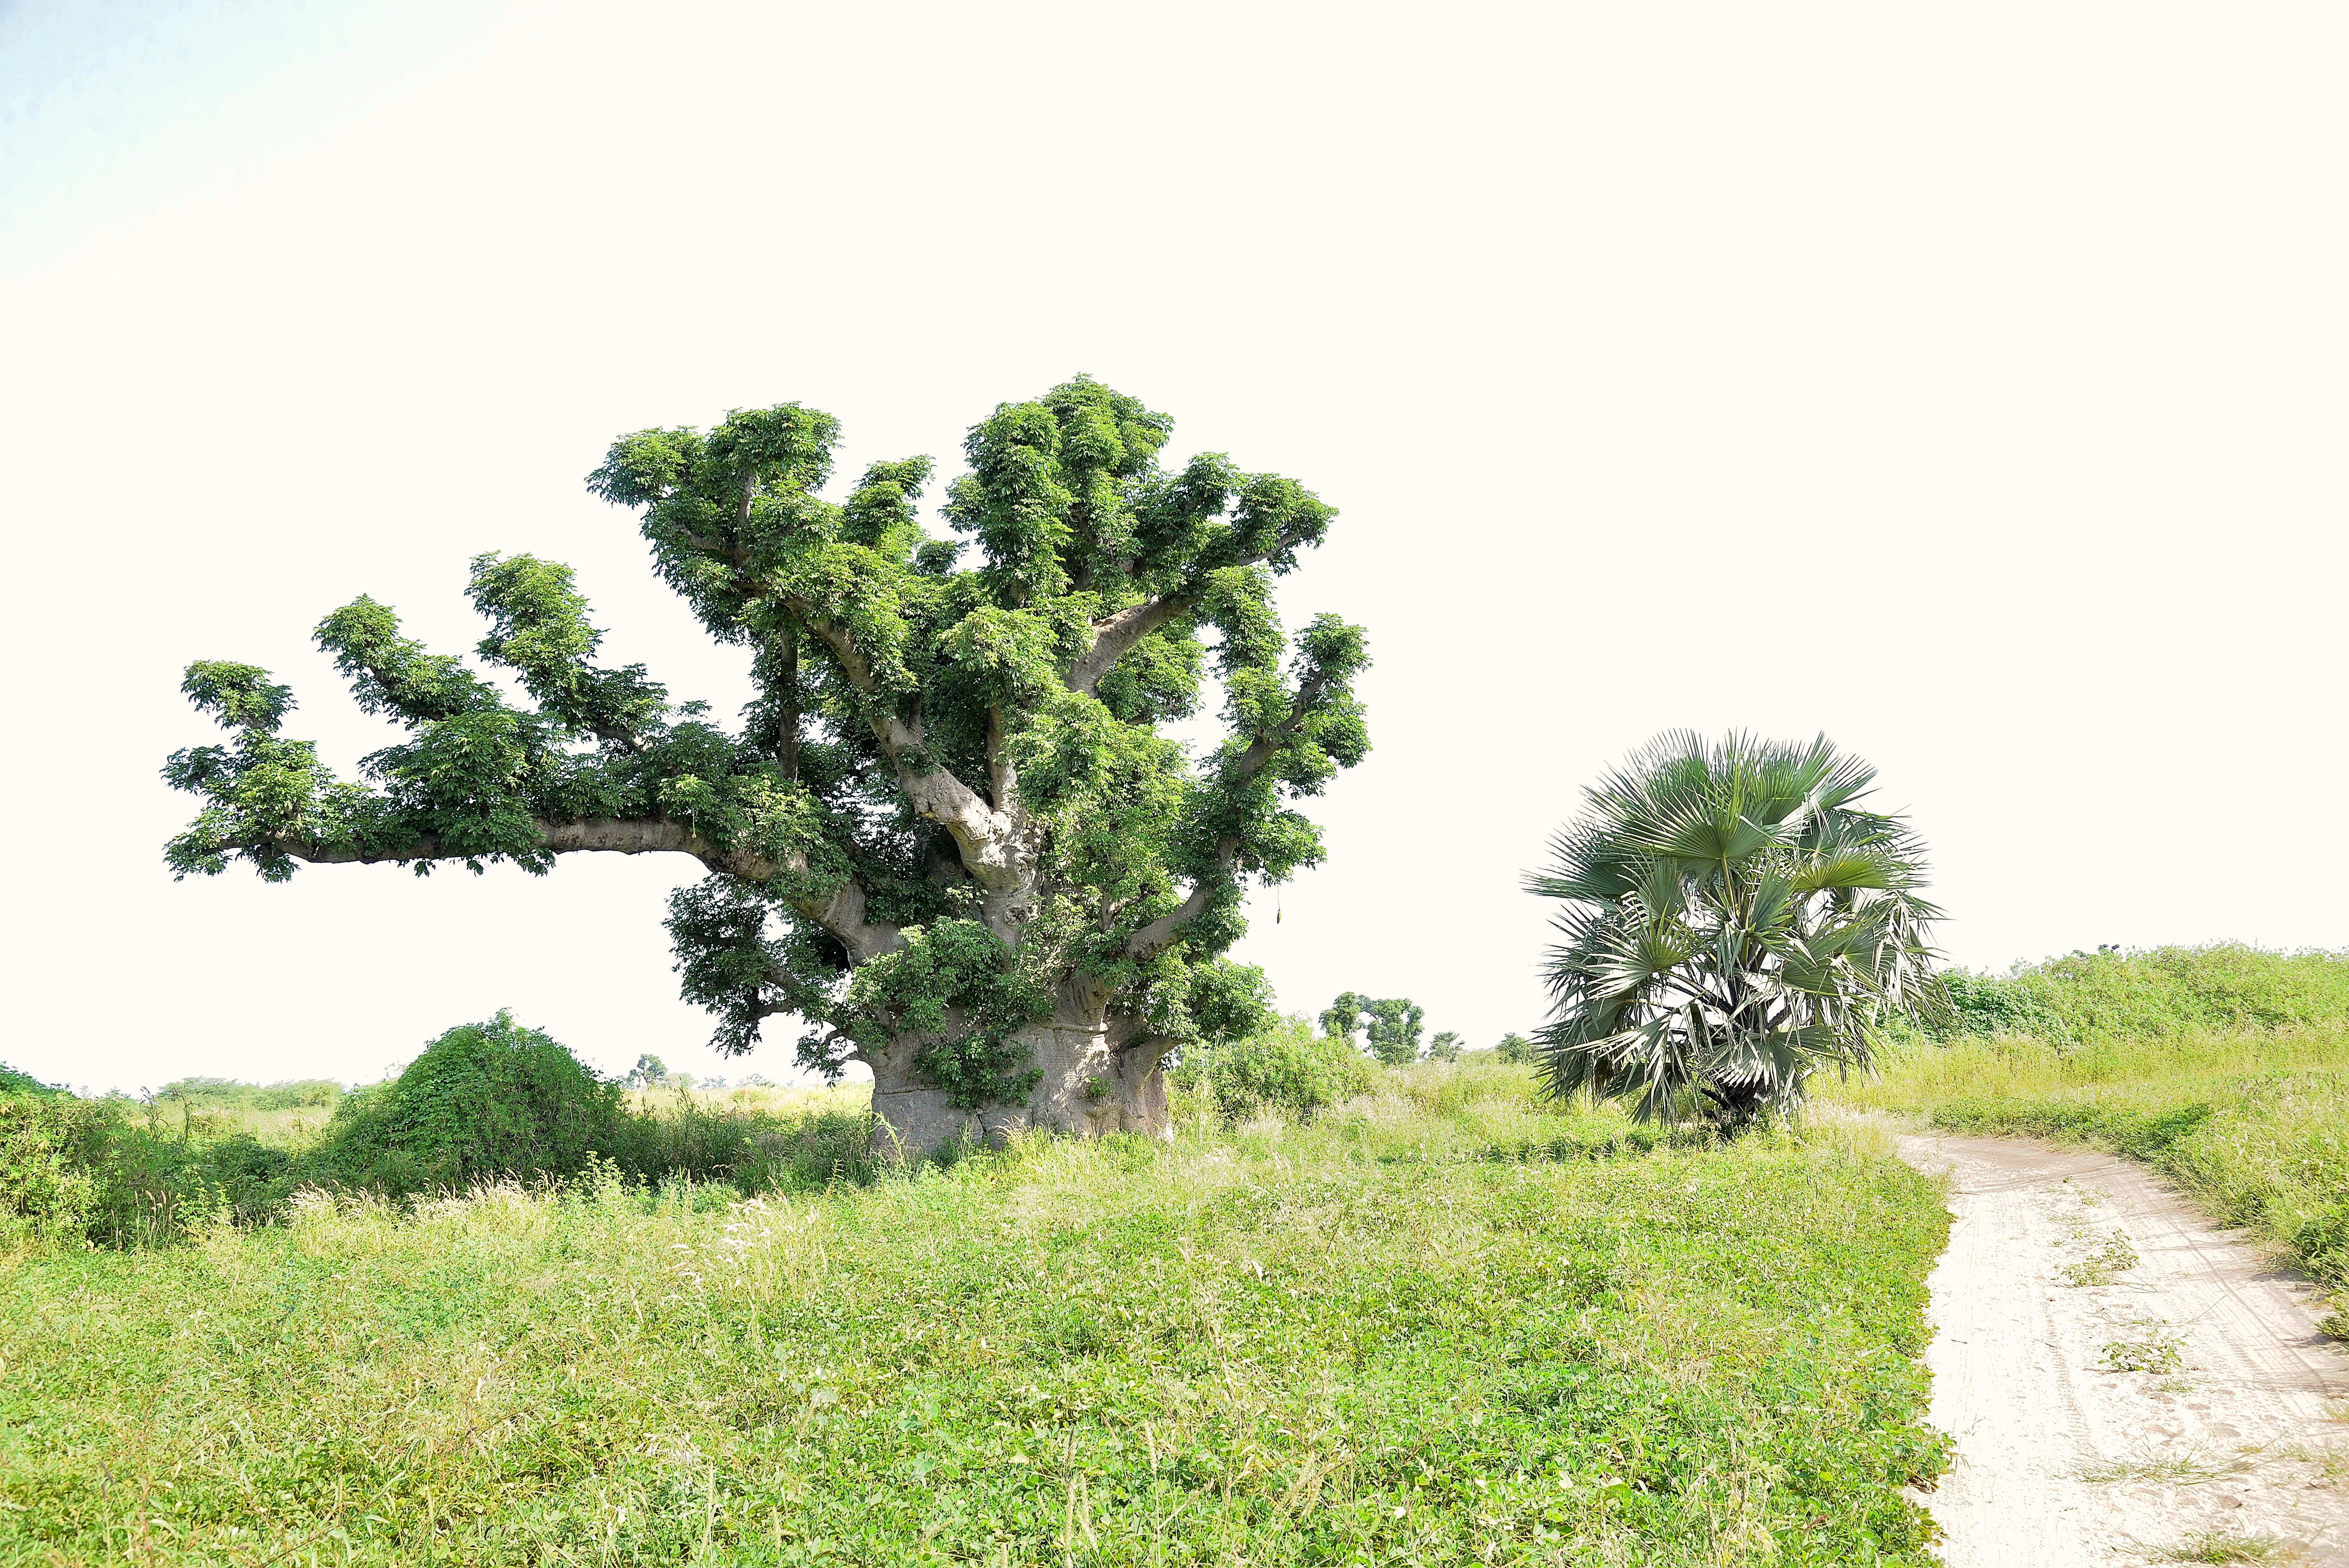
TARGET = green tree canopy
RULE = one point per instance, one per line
(1393, 1025)
(1343, 1019)
(948, 833)
(1732, 920)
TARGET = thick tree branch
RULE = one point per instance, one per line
(987, 839)
(626, 836)
(1114, 634)
(1162, 934)
(1002, 776)
(788, 753)
(841, 913)
(992, 840)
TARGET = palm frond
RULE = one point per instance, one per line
(1732, 920)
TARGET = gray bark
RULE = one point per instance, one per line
(1098, 1074)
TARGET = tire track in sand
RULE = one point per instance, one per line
(2228, 1422)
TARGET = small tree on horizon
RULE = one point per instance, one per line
(1733, 921)
(1394, 1030)
(1391, 1024)
(1342, 1018)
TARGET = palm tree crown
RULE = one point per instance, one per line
(1732, 922)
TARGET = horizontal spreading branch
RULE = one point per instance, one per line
(841, 912)
(623, 835)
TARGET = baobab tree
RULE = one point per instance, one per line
(948, 835)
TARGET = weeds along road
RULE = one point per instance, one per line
(2124, 1383)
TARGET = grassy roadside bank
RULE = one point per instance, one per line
(2227, 1069)
(1427, 1328)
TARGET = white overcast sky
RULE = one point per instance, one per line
(1966, 382)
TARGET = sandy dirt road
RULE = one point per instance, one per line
(2123, 1381)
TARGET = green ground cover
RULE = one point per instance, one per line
(2227, 1068)
(1437, 1325)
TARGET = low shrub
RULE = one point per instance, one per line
(74, 1172)
(152, 1185)
(484, 1100)
(46, 1190)
(1286, 1069)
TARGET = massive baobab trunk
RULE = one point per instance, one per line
(1086, 1086)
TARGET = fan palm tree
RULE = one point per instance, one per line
(1732, 922)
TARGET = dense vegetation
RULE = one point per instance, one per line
(2226, 1067)
(1437, 1325)
(483, 1101)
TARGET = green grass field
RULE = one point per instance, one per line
(1438, 1325)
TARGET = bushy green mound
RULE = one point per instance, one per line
(46, 1192)
(484, 1100)
(1285, 1069)
(2099, 998)
(11, 1081)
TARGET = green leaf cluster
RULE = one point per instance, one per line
(1282, 1066)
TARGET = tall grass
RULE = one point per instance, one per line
(1438, 1325)
(2227, 1068)
(2134, 999)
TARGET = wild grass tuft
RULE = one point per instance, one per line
(2185, 1468)
(2220, 1546)
(2107, 1263)
(2145, 1345)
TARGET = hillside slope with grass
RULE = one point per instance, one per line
(1437, 1325)
(2226, 1068)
